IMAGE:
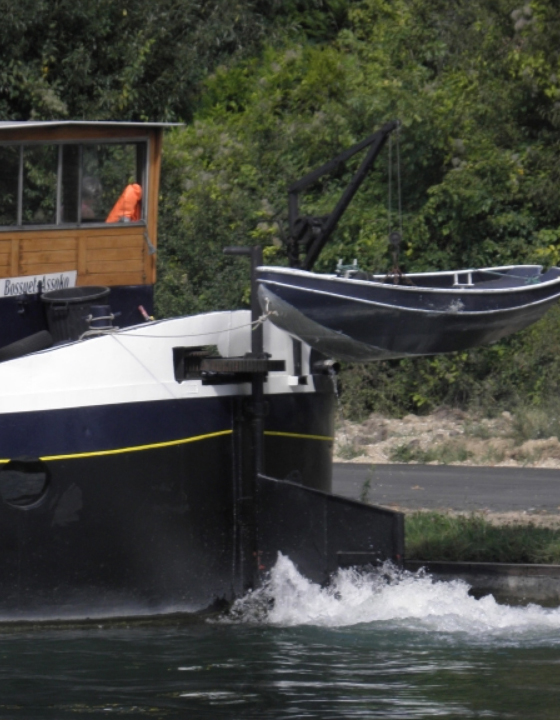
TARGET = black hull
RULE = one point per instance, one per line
(360, 321)
(145, 530)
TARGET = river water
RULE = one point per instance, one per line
(372, 645)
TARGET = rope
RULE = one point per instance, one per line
(114, 331)
(266, 314)
(390, 183)
(399, 183)
(399, 188)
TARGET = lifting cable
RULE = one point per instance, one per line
(395, 236)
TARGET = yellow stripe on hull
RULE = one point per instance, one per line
(136, 448)
(171, 443)
(300, 436)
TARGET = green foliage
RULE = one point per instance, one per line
(137, 59)
(536, 423)
(226, 174)
(119, 60)
(319, 20)
(414, 385)
(349, 451)
(455, 76)
(438, 536)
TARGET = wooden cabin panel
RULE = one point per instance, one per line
(5, 258)
(112, 254)
(107, 266)
(38, 257)
(47, 244)
(49, 258)
(115, 230)
(40, 269)
(39, 252)
(82, 256)
(112, 242)
(30, 251)
(115, 259)
(5, 250)
(100, 255)
(76, 133)
(120, 278)
(155, 149)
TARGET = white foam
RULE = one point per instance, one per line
(388, 596)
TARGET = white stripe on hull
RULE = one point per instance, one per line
(136, 365)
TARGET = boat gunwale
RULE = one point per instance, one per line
(457, 290)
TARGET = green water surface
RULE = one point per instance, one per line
(375, 670)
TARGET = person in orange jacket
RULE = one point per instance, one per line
(128, 207)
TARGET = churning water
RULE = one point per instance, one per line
(373, 645)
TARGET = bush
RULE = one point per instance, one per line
(437, 536)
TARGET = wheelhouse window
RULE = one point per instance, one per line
(40, 165)
(72, 184)
(9, 184)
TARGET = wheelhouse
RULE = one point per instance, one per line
(78, 207)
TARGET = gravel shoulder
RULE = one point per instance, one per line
(446, 437)
(452, 438)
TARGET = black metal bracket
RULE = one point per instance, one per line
(310, 234)
(195, 363)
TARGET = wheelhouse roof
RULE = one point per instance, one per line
(21, 124)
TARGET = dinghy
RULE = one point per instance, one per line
(359, 317)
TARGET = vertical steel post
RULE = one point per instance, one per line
(255, 412)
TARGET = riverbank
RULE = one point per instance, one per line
(477, 538)
(452, 516)
(450, 437)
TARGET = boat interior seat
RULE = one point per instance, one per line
(519, 278)
(505, 282)
(550, 274)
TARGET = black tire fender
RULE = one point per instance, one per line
(30, 344)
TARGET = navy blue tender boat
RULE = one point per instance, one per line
(359, 317)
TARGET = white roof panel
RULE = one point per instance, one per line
(18, 124)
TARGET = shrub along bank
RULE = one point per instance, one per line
(437, 536)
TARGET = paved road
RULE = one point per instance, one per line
(457, 488)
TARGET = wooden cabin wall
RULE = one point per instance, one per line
(102, 256)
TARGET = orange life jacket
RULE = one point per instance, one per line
(128, 206)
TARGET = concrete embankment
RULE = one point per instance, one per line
(518, 584)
